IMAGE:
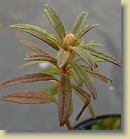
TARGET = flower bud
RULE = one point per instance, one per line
(69, 40)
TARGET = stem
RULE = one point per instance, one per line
(69, 125)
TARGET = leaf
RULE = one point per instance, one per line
(54, 90)
(80, 23)
(28, 97)
(91, 110)
(86, 56)
(33, 46)
(85, 78)
(98, 75)
(71, 109)
(40, 57)
(76, 77)
(91, 43)
(31, 63)
(52, 70)
(85, 30)
(55, 21)
(26, 78)
(81, 91)
(62, 57)
(103, 55)
(82, 110)
(64, 98)
(40, 33)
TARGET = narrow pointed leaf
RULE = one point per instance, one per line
(71, 108)
(39, 33)
(85, 30)
(76, 77)
(62, 57)
(98, 75)
(26, 78)
(33, 47)
(54, 90)
(55, 21)
(28, 97)
(86, 56)
(31, 63)
(91, 43)
(91, 110)
(81, 91)
(86, 79)
(64, 99)
(41, 57)
(52, 70)
(80, 23)
(103, 55)
(82, 110)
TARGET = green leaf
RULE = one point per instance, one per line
(39, 33)
(52, 70)
(91, 110)
(64, 99)
(103, 55)
(76, 77)
(80, 23)
(31, 63)
(53, 89)
(26, 78)
(91, 43)
(98, 75)
(41, 57)
(85, 30)
(62, 57)
(29, 97)
(85, 55)
(85, 78)
(55, 21)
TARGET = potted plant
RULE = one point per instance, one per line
(71, 50)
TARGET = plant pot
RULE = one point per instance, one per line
(104, 122)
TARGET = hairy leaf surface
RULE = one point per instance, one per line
(80, 23)
(62, 57)
(26, 78)
(86, 79)
(103, 55)
(55, 21)
(64, 99)
(28, 97)
(85, 30)
(86, 56)
(39, 33)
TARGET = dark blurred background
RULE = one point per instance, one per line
(107, 13)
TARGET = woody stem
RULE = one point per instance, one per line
(68, 124)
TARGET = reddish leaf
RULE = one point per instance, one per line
(64, 99)
(26, 78)
(40, 57)
(28, 97)
(81, 91)
(33, 46)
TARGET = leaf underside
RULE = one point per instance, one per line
(28, 97)
(62, 57)
(64, 99)
(26, 78)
